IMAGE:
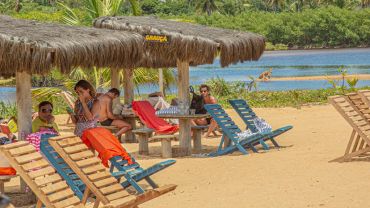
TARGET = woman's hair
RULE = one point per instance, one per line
(86, 85)
(205, 86)
(44, 103)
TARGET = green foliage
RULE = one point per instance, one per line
(323, 27)
(7, 110)
(352, 83)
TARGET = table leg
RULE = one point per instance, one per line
(129, 136)
(185, 137)
(197, 140)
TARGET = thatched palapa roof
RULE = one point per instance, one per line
(37, 47)
(197, 44)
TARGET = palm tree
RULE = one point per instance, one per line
(208, 6)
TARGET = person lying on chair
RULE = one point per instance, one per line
(45, 119)
(106, 116)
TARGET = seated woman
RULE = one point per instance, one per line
(208, 99)
(45, 119)
(87, 108)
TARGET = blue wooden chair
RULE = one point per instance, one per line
(230, 130)
(134, 173)
(247, 114)
(61, 166)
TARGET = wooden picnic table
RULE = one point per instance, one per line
(197, 131)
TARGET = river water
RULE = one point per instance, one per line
(283, 63)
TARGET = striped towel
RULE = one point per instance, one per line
(168, 111)
(261, 125)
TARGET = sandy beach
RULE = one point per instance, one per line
(329, 77)
(298, 175)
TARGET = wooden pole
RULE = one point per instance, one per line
(129, 97)
(24, 108)
(129, 85)
(24, 104)
(184, 96)
(115, 83)
(160, 81)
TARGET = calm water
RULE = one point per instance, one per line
(283, 63)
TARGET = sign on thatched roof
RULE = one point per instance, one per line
(197, 44)
(38, 47)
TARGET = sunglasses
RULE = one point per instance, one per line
(47, 110)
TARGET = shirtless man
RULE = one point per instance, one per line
(208, 99)
(106, 117)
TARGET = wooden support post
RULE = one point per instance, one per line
(197, 140)
(129, 97)
(160, 80)
(24, 104)
(24, 108)
(115, 83)
(183, 91)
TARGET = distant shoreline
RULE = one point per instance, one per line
(329, 77)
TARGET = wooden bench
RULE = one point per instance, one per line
(3, 180)
(145, 136)
(197, 137)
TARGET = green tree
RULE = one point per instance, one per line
(208, 6)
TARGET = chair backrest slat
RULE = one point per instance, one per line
(39, 175)
(245, 112)
(223, 120)
(352, 114)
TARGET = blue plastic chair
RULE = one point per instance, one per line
(230, 130)
(247, 114)
(134, 173)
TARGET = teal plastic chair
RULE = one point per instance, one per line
(230, 130)
(247, 114)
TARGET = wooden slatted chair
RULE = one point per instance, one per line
(357, 113)
(51, 190)
(97, 178)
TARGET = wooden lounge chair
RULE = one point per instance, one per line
(97, 178)
(51, 190)
(119, 168)
(356, 112)
(247, 114)
(72, 179)
(230, 130)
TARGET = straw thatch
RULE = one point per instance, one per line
(38, 47)
(197, 44)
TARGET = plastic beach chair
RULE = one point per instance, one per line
(50, 189)
(135, 173)
(354, 108)
(230, 130)
(247, 114)
(96, 177)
